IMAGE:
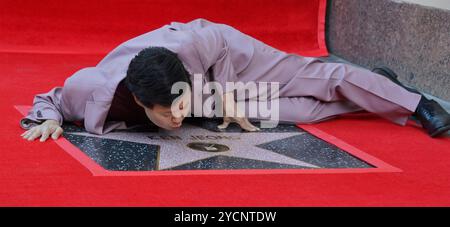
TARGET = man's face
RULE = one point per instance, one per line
(169, 118)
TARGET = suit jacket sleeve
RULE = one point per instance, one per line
(65, 103)
(46, 106)
(214, 53)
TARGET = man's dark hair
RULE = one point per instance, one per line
(151, 74)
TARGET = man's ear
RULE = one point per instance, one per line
(137, 101)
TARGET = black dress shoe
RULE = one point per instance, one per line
(387, 72)
(433, 117)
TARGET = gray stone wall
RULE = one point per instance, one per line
(413, 40)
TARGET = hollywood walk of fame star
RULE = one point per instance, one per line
(174, 150)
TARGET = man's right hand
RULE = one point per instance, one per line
(234, 114)
(44, 130)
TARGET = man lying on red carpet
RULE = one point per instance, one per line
(134, 84)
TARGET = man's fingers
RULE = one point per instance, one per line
(224, 125)
(226, 122)
(27, 133)
(45, 135)
(35, 135)
(57, 133)
(44, 130)
(246, 125)
(250, 126)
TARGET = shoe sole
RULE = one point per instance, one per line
(440, 131)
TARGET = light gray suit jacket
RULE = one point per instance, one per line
(87, 94)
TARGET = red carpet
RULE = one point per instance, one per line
(43, 42)
(93, 26)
